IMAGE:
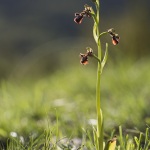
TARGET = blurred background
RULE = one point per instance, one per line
(35, 34)
(40, 69)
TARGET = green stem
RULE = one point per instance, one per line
(98, 102)
(96, 58)
(103, 33)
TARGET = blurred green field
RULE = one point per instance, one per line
(29, 106)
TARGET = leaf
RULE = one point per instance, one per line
(122, 144)
(95, 137)
(105, 57)
(136, 140)
(94, 32)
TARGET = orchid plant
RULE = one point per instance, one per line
(90, 13)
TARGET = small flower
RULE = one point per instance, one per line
(115, 37)
(85, 13)
(84, 59)
(78, 18)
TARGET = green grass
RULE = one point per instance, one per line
(65, 101)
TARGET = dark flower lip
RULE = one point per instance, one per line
(78, 18)
(84, 63)
(115, 37)
(115, 40)
(84, 59)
